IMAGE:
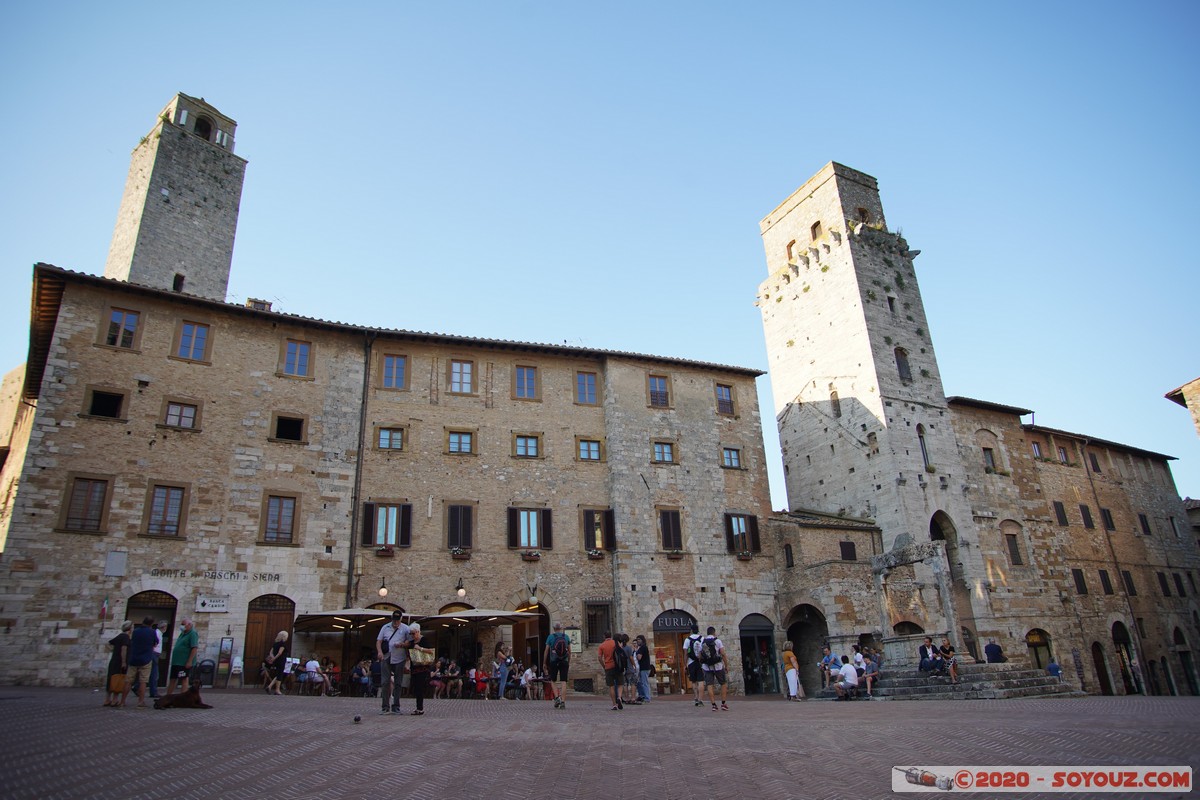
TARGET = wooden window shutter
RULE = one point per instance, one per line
(405, 536)
(547, 532)
(730, 543)
(610, 530)
(368, 524)
(752, 528)
(514, 528)
(589, 529)
(466, 528)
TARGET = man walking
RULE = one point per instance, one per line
(391, 646)
(183, 655)
(694, 673)
(711, 652)
(614, 675)
(556, 660)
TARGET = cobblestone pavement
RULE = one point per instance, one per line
(60, 743)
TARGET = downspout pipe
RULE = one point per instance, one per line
(355, 521)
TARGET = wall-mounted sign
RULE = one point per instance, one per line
(211, 603)
(576, 637)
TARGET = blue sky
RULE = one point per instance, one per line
(594, 174)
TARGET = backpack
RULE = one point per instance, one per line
(560, 651)
(690, 645)
(621, 658)
(706, 650)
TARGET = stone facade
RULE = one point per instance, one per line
(1188, 396)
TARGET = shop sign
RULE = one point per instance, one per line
(212, 603)
(673, 621)
(215, 575)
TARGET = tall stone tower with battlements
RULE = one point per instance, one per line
(862, 416)
(178, 216)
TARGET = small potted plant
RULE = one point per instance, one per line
(675, 555)
(530, 555)
(385, 551)
(459, 554)
(595, 555)
(745, 555)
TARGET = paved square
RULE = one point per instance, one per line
(60, 743)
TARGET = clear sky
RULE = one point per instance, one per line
(593, 174)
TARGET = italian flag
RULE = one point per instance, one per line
(104, 609)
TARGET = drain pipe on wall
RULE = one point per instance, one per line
(351, 594)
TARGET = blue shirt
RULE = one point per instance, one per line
(141, 650)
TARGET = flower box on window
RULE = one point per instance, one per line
(387, 551)
(459, 554)
(745, 556)
(595, 555)
(531, 555)
(674, 555)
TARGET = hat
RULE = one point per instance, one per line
(397, 615)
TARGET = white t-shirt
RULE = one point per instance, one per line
(720, 665)
(849, 674)
(527, 676)
(858, 659)
(312, 666)
(158, 641)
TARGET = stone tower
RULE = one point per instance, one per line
(179, 213)
(862, 416)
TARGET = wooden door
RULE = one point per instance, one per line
(265, 618)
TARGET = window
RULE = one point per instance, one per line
(525, 383)
(731, 458)
(585, 388)
(296, 355)
(459, 525)
(1162, 584)
(598, 618)
(921, 442)
(902, 366)
(1060, 513)
(1106, 582)
(1062, 456)
(724, 399)
(1130, 589)
(669, 525)
(891, 305)
(177, 282)
(460, 442)
(660, 391)
(1178, 584)
(192, 344)
(989, 460)
(815, 230)
(180, 415)
(526, 446)
(394, 374)
(789, 559)
(599, 529)
(835, 404)
(1013, 542)
(790, 250)
(741, 533)
(387, 525)
(589, 450)
(864, 215)
(390, 439)
(1080, 581)
(122, 329)
(462, 376)
(848, 550)
(279, 523)
(102, 403)
(1095, 464)
(1086, 513)
(664, 453)
(529, 527)
(1037, 449)
(165, 514)
(1107, 517)
(1174, 526)
(1144, 521)
(286, 428)
(87, 505)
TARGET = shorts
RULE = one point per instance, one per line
(631, 678)
(558, 670)
(714, 677)
(695, 672)
(847, 685)
(613, 677)
(138, 674)
(179, 671)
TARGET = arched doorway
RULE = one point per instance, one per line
(529, 637)
(458, 641)
(1153, 678)
(1038, 642)
(1172, 689)
(1125, 658)
(161, 606)
(669, 629)
(1100, 665)
(1186, 665)
(942, 529)
(906, 628)
(760, 666)
(969, 642)
(266, 616)
(808, 631)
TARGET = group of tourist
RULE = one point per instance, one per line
(938, 661)
(133, 665)
(845, 674)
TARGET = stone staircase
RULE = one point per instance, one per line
(975, 682)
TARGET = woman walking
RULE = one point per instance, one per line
(791, 668)
(277, 658)
(418, 672)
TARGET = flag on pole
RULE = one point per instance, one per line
(104, 609)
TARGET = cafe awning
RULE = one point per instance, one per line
(483, 617)
(344, 619)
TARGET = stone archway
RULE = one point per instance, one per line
(1125, 658)
(760, 662)
(1038, 642)
(266, 615)
(808, 631)
(1100, 665)
(1186, 664)
(162, 607)
(669, 630)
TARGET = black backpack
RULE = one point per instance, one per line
(560, 651)
(708, 652)
(621, 658)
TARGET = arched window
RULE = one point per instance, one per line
(864, 215)
(924, 449)
(835, 405)
(791, 250)
(815, 230)
(203, 128)
(788, 559)
(902, 365)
